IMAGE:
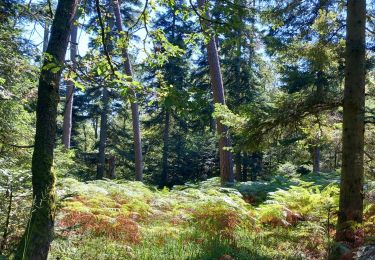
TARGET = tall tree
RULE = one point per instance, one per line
(133, 98)
(351, 188)
(39, 231)
(67, 123)
(103, 132)
(226, 164)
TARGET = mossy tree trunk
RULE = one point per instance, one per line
(351, 189)
(39, 231)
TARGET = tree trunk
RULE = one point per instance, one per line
(39, 232)
(316, 159)
(335, 160)
(45, 36)
(67, 123)
(226, 163)
(112, 167)
(85, 138)
(245, 161)
(103, 134)
(351, 188)
(238, 166)
(164, 175)
(133, 100)
(95, 125)
(256, 165)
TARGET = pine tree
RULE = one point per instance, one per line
(352, 171)
(226, 164)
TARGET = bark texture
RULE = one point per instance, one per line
(39, 232)
(103, 134)
(245, 168)
(67, 123)
(351, 189)
(316, 159)
(164, 171)
(238, 166)
(226, 163)
(45, 36)
(133, 100)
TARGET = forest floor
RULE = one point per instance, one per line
(284, 218)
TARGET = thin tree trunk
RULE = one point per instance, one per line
(95, 125)
(256, 165)
(335, 160)
(103, 134)
(45, 36)
(238, 166)
(316, 159)
(85, 138)
(245, 169)
(164, 175)
(39, 232)
(133, 100)
(226, 163)
(67, 123)
(112, 167)
(351, 188)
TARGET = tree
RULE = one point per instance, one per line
(351, 188)
(103, 132)
(67, 123)
(133, 98)
(39, 231)
(226, 164)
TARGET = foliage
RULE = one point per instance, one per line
(191, 221)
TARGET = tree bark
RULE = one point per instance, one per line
(238, 166)
(351, 188)
(45, 36)
(164, 174)
(67, 123)
(256, 165)
(103, 134)
(133, 100)
(95, 125)
(39, 232)
(226, 163)
(245, 161)
(112, 167)
(316, 159)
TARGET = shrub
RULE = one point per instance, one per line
(287, 169)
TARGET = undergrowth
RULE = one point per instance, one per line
(294, 219)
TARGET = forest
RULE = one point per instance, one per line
(175, 129)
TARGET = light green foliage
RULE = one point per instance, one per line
(15, 197)
(287, 169)
(194, 221)
(309, 201)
